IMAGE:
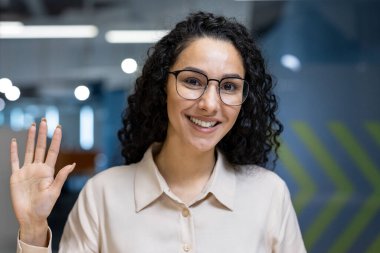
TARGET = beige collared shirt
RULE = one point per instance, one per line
(131, 209)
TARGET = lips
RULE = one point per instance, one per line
(202, 123)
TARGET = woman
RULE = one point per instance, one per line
(201, 122)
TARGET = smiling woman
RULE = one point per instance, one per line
(197, 130)
(198, 125)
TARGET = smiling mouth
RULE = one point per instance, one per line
(201, 123)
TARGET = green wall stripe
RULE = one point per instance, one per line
(357, 225)
(306, 186)
(361, 159)
(374, 129)
(372, 204)
(334, 172)
(302, 199)
(324, 218)
(374, 247)
(321, 154)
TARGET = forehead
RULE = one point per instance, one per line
(214, 56)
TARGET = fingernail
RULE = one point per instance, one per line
(14, 139)
(59, 126)
(33, 124)
(43, 119)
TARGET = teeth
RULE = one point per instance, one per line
(203, 123)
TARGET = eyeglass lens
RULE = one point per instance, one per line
(192, 85)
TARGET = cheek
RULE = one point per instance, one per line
(233, 114)
(171, 100)
(170, 108)
(174, 106)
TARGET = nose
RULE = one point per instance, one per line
(209, 101)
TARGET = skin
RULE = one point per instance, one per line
(187, 144)
(34, 189)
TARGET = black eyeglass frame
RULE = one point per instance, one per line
(177, 72)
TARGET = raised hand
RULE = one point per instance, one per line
(34, 190)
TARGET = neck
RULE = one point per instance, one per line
(183, 167)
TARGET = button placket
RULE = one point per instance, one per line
(187, 230)
(185, 212)
(186, 247)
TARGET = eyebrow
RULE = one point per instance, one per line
(229, 75)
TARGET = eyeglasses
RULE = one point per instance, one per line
(191, 85)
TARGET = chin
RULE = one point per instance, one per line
(203, 145)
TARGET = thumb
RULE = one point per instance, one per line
(61, 177)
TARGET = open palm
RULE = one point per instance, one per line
(34, 190)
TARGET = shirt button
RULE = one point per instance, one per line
(185, 212)
(186, 247)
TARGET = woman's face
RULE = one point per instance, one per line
(202, 123)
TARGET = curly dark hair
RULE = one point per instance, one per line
(255, 133)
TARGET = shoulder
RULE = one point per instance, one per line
(257, 186)
(112, 178)
(255, 182)
(258, 176)
(114, 173)
(109, 188)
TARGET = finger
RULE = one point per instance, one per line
(54, 147)
(41, 142)
(61, 177)
(14, 156)
(29, 152)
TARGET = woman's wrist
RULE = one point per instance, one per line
(35, 234)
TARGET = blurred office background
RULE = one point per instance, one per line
(325, 56)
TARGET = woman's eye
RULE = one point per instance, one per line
(193, 81)
(228, 87)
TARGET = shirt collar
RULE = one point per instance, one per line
(149, 184)
(222, 183)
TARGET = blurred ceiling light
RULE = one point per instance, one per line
(13, 93)
(129, 65)
(291, 62)
(259, 0)
(82, 93)
(10, 26)
(16, 119)
(135, 36)
(52, 117)
(2, 104)
(28, 120)
(1, 118)
(5, 84)
(11, 23)
(9, 31)
(86, 127)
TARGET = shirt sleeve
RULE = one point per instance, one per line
(23, 247)
(288, 234)
(81, 230)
